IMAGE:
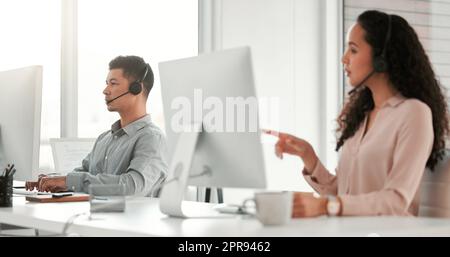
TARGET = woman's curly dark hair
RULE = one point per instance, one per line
(410, 72)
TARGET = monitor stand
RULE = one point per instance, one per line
(172, 194)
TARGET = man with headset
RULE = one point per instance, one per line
(132, 153)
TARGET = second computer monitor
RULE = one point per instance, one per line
(20, 119)
(218, 91)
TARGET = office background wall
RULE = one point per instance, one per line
(296, 47)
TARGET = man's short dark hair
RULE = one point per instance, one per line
(134, 69)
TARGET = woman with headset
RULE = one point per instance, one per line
(392, 126)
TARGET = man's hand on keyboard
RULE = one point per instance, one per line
(52, 184)
(31, 185)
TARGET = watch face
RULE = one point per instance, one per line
(333, 207)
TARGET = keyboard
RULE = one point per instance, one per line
(20, 191)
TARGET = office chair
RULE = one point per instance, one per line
(219, 195)
(435, 190)
(209, 194)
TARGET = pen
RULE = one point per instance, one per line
(12, 172)
(8, 170)
(12, 167)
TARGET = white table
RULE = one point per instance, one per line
(143, 218)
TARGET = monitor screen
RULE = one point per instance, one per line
(20, 119)
(217, 90)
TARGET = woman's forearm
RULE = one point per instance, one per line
(310, 160)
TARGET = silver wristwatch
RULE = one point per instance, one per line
(333, 206)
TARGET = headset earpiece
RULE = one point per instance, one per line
(135, 88)
(380, 63)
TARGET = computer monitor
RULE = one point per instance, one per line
(211, 117)
(20, 119)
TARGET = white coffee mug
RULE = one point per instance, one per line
(272, 207)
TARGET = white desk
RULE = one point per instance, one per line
(143, 218)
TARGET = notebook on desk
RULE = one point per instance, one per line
(76, 197)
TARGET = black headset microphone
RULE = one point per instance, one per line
(135, 88)
(379, 63)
